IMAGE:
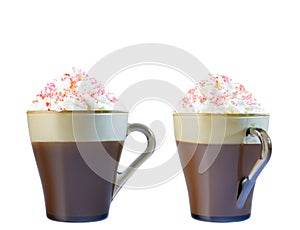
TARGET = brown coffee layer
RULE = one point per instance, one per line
(72, 191)
(214, 193)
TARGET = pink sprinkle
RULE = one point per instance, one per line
(219, 90)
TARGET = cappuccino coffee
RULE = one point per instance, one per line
(214, 167)
(77, 140)
(223, 146)
(77, 154)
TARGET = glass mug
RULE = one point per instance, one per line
(221, 155)
(77, 155)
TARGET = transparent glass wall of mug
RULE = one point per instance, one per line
(222, 156)
(77, 154)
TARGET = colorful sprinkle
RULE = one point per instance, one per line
(219, 94)
(74, 91)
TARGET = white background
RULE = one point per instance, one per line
(254, 42)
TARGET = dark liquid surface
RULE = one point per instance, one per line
(214, 193)
(73, 191)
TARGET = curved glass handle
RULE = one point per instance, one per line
(247, 183)
(122, 177)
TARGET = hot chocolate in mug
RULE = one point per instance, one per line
(77, 154)
(222, 155)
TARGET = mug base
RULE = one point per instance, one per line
(77, 218)
(221, 219)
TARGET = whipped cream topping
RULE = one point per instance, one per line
(74, 91)
(220, 94)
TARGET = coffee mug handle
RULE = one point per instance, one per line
(247, 183)
(122, 177)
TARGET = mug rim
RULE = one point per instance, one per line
(76, 111)
(222, 114)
